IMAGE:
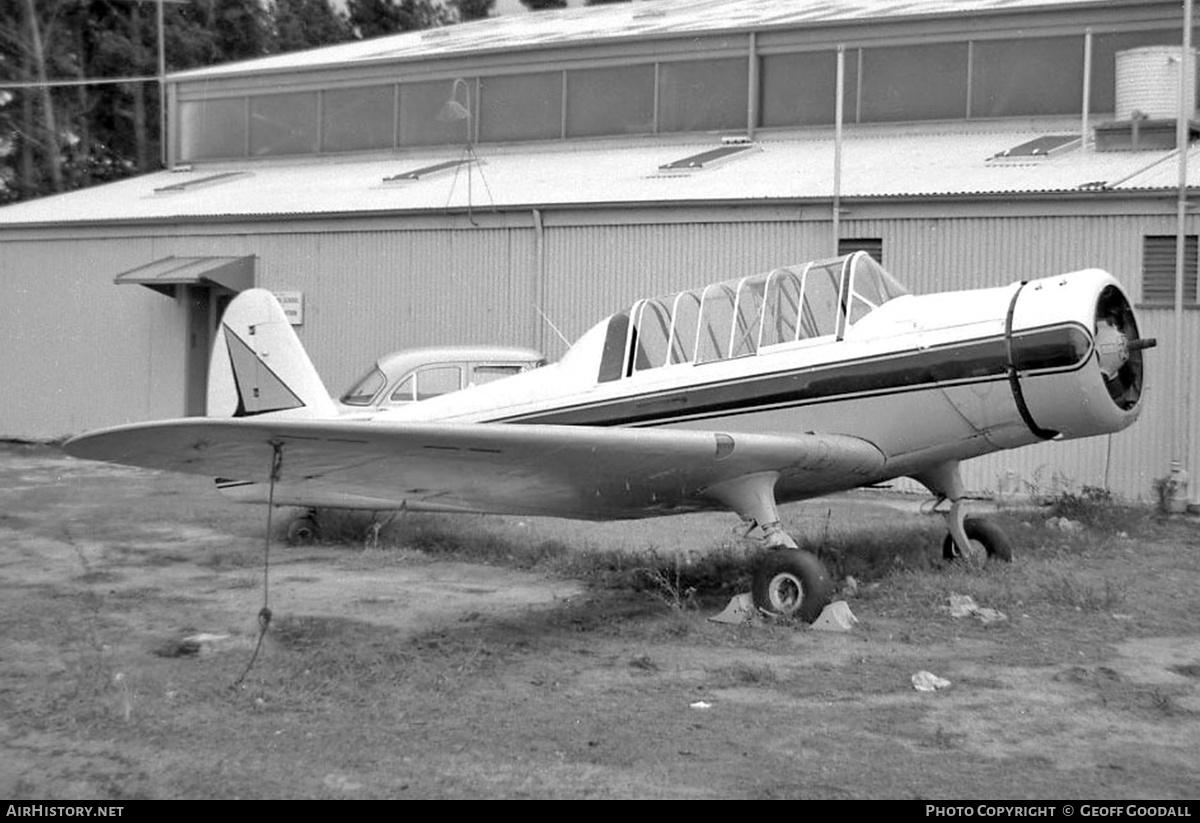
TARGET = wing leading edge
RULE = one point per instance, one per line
(566, 471)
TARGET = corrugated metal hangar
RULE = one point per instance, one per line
(476, 183)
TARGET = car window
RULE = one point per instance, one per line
(405, 392)
(438, 380)
(487, 374)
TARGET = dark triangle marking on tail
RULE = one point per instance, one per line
(259, 389)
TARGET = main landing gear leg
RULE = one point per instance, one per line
(972, 539)
(788, 581)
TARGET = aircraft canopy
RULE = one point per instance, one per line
(739, 318)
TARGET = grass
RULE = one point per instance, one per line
(559, 698)
(908, 549)
(677, 577)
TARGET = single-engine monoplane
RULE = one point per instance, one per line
(740, 395)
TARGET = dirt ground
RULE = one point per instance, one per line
(130, 612)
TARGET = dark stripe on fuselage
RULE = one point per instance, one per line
(1062, 348)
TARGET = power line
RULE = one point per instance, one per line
(100, 81)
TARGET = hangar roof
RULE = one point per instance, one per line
(893, 163)
(622, 22)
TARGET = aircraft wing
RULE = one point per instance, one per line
(566, 471)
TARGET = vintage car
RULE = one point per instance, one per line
(412, 375)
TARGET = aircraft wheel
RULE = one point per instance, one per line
(988, 542)
(791, 583)
(302, 531)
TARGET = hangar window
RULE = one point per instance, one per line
(422, 118)
(702, 95)
(521, 107)
(1158, 269)
(358, 119)
(616, 100)
(1030, 76)
(283, 124)
(1013, 77)
(212, 129)
(800, 89)
(903, 83)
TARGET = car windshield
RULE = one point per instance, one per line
(364, 391)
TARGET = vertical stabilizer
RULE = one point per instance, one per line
(259, 366)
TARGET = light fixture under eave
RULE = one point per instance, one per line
(453, 111)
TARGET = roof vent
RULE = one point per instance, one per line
(194, 183)
(1037, 149)
(429, 171)
(712, 157)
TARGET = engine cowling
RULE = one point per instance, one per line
(1076, 366)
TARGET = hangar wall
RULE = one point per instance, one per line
(373, 285)
(77, 351)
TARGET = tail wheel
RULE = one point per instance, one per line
(302, 531)
(791, 583)
(988, 542)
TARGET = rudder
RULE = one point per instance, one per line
(259, 366)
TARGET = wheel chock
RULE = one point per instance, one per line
(739, 612)
(836, 617)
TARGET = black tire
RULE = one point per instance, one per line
(791, 583)
(987, 534)
(302, 531)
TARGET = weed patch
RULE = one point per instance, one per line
(1071, 591)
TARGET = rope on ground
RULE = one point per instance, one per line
(264, 614)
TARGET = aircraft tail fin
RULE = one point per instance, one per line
(259, 365)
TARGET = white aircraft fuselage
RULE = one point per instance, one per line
(926, 379)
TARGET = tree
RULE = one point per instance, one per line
(375, 18)
(306, 24)
(468, 10)
(30, 39)
(55, 136)
(241, 28)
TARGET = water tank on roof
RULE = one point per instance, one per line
(1148, 82)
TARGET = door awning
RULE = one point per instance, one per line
(233, 273)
